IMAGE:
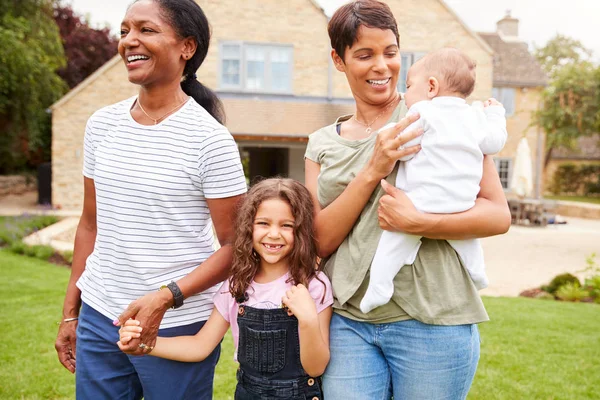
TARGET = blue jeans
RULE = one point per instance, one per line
(105, 372)
(408, 360)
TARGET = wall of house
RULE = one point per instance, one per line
(518, 125)
(68, 127)
(427, 25)
(296, 22)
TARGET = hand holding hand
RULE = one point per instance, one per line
(149, 311)
(299, 302)
(130, 330)
(389, 147)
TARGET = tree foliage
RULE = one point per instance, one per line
(86, 48)
(30, 53)
(571, 101)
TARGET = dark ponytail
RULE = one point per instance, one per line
(188, 20)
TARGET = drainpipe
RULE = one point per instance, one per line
(539, 159)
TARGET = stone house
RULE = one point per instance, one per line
(270, 64)
(518, 83)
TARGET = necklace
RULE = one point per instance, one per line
(158, 119)
(368, 130)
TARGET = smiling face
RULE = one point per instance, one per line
(150, 47)
(371, 65)
(273, 233)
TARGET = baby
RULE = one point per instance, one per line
(444, 176)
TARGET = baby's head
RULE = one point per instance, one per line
(444, 72)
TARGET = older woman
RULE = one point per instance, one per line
(159, 171)
(424, 343)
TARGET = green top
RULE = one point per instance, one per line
(436, 289)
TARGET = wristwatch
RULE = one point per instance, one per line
(177, 295)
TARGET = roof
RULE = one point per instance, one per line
(514, 65)
(87, 81)
(587, 148)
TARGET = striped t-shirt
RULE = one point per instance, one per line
(153, 223)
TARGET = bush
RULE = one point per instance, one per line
(560, 280)
(38, 251)
(582, 180)
(572, 291)
(13, 229)
(68, 256)
(17, 247)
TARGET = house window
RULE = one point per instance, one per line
(256, 67)
(506, 96)
(504, 168)
(408, 59)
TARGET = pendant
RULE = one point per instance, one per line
(368, 130)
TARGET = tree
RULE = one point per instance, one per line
(86, 48)
(560, 51)
(571, 101)
(30, 53)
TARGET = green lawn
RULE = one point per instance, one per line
(532, 349)
(593, 200)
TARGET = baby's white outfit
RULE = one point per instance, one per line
(442, 178)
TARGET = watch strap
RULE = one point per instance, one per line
(177, 294)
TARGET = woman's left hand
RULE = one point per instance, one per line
(149, 310)
(397, 213)
(299, 302)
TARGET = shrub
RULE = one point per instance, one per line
(17, 247)
(572, 291)
(545, 296)
(574, 179)
(42, 252)
(559, 281)
(68, 256)
(592, 285)
(14, 229)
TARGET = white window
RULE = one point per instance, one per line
(506, 96)
(256, 67)
(504, 168)
(408, 59)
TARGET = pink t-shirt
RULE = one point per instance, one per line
(268, 296)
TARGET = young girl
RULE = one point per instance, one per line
(277, 303)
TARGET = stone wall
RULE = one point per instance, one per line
(16, 184)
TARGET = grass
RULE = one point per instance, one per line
(532, 349)
(582, 199)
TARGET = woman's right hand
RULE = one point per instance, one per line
(389, 147)
(65, 344)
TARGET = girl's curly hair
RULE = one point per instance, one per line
(303, 256)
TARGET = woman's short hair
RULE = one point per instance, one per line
(344, 24)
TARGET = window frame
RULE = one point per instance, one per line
(413, 57)
(499, 94)
(268, 74)
(509, 172)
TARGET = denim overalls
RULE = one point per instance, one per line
(269, 357)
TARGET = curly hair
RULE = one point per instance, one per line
(303, 256)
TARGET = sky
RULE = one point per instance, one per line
(539, 20)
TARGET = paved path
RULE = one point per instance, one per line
(524, 258)
(528, 257)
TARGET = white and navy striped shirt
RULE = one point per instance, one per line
(153, 222)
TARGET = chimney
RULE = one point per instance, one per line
(508, 26)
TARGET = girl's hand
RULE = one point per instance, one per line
(389, 147)
(130, 330)
(149, 311)
(397, 213)
(297, 299)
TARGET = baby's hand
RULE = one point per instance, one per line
(130, 330)
(299, 303)
(491, 102)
